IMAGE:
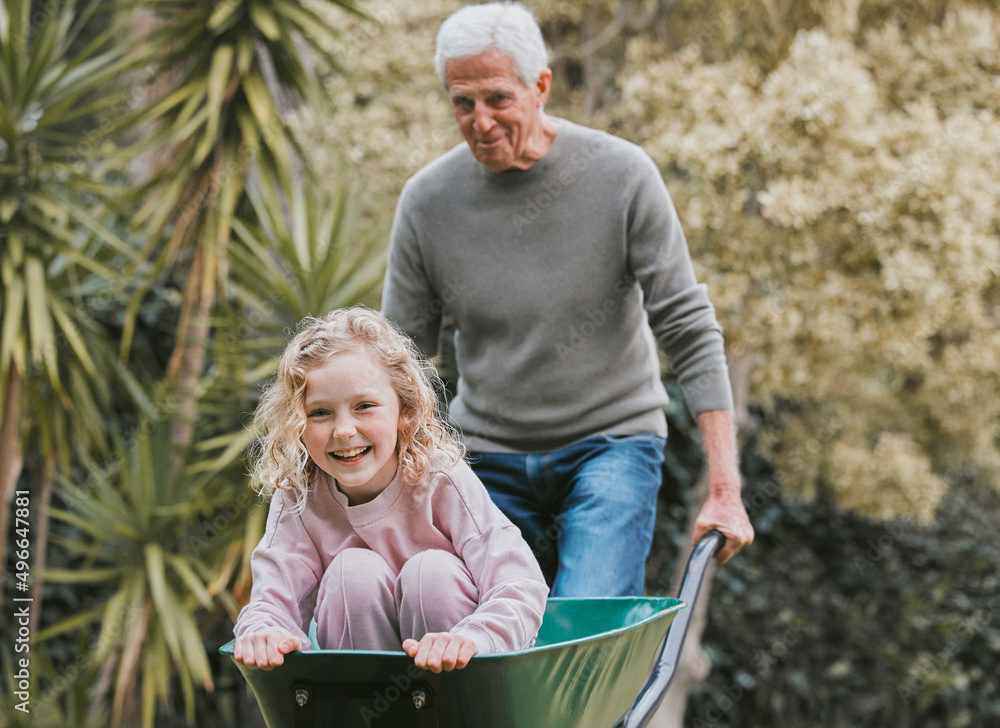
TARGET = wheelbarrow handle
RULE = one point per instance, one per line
(662, 674)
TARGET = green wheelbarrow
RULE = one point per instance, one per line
(597, 663)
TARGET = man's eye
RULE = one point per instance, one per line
(499, 100)
(463, 104)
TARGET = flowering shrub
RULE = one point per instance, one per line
(844, 211)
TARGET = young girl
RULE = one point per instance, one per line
(377, 528)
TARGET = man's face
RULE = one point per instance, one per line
(499, 116)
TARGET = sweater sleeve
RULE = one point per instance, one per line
(512, 590)
(680, 314)
(409, 299)
(286, 570)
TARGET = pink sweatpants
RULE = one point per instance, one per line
(363, 605)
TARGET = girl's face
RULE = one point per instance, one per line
(352, 424)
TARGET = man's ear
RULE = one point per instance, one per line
(544, 85)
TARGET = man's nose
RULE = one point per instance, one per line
(482, 117)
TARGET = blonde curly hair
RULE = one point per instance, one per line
(279, 458)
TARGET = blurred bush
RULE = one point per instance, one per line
(844, 211)
(837, 620)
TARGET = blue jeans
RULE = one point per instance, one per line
(587, 510)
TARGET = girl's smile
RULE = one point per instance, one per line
(351, 456)
(352, 424)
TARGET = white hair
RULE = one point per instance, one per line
(508, 27)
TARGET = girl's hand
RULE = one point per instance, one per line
(437, 651)
(265, 650)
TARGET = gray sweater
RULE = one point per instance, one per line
(551, 274)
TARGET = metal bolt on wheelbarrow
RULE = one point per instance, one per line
(590, 667)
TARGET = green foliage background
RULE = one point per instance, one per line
(833, 164)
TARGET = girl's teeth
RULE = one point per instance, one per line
(348, 454)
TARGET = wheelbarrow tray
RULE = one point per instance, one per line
(590, 660)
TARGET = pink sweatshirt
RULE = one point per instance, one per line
(450, 511)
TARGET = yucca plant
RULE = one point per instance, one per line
(172, 549)
(138, 528)
(303, 253)
(55, 250)
(292, 256)
(213, 118)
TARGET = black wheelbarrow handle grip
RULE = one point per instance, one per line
(662, 673)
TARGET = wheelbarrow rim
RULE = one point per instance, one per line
(669, 605)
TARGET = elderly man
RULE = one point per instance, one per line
(557, 251)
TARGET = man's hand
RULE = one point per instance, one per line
(727, 516)
(723, 510)
(437, 651)
(265, 650)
